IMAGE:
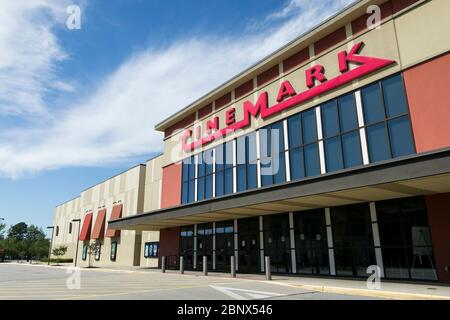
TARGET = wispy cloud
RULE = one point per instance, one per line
(29, 53)
(116, 122)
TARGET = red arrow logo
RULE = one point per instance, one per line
(367, 65)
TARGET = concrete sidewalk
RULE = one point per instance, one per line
(389, 289)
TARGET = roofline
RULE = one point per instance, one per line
(155, 156)
(94, 185)
(161, 126)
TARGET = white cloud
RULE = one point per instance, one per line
(116, 122)
(29, 53)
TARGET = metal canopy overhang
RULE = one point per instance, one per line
(421, 174)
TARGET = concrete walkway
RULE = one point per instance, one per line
(388, 290)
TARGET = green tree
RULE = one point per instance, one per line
(18, 231)
(2, 231)
(59, 252)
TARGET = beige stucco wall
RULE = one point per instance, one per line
(152, 201)
(64, 214)
(408, 38)
(138, 190)
(125, 188)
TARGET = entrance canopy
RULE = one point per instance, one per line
(415, 175)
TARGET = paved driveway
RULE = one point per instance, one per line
(40, 282)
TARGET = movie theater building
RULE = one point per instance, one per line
(330, 155)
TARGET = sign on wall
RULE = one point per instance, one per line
(316, 81)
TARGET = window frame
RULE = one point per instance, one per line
(387, 119)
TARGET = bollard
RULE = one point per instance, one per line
(163, 264)
(181, 264)
(267, 267)
(233, 267)
(205, 265)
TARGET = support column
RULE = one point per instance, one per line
(323, 168)
(214, 247)
(362, 131)
(330, 242)
(236, 244)
(376, 238)
(261, 242)
(292, 242)
(195, 247)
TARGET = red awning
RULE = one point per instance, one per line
(115, 214)
(99, 227)
(86, 230)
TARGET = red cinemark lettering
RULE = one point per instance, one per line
(314, 73)
(286, 90)
(366, 66)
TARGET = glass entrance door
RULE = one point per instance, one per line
(248, 245)
(224, 245)
(204, 244)
(353, 240)
(187, 246)
(277, 242)
(311, 245)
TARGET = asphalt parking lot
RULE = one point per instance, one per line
(22, 281)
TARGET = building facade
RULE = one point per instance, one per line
(331, 155)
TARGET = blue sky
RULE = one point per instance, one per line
(78, 106)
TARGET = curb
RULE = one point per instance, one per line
(368, 292)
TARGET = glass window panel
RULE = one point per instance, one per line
(330, 122)
(279, 168)
(208, 186)
(264, 142)
(311, 158)
(377, 142)
(208, 160)
(266, 172)
(241, 177)
(228, 181)
(191, 168)
(220, 157)
(372, 104)
(219, 183)
(309, 126)
(277, 137)
(209, 167)
(296, 164)
(201, 166)
(229, 154)
(251, 147)
(394, 96)
(333, 154)
(252, 180)
(294, 131)
(241, 150)
(184, 193)
(191, 191)
(201, 188)
(401, 136)
(347, 112)
(185, 169)
(351, 146)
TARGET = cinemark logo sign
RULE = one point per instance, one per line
(287, 97)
